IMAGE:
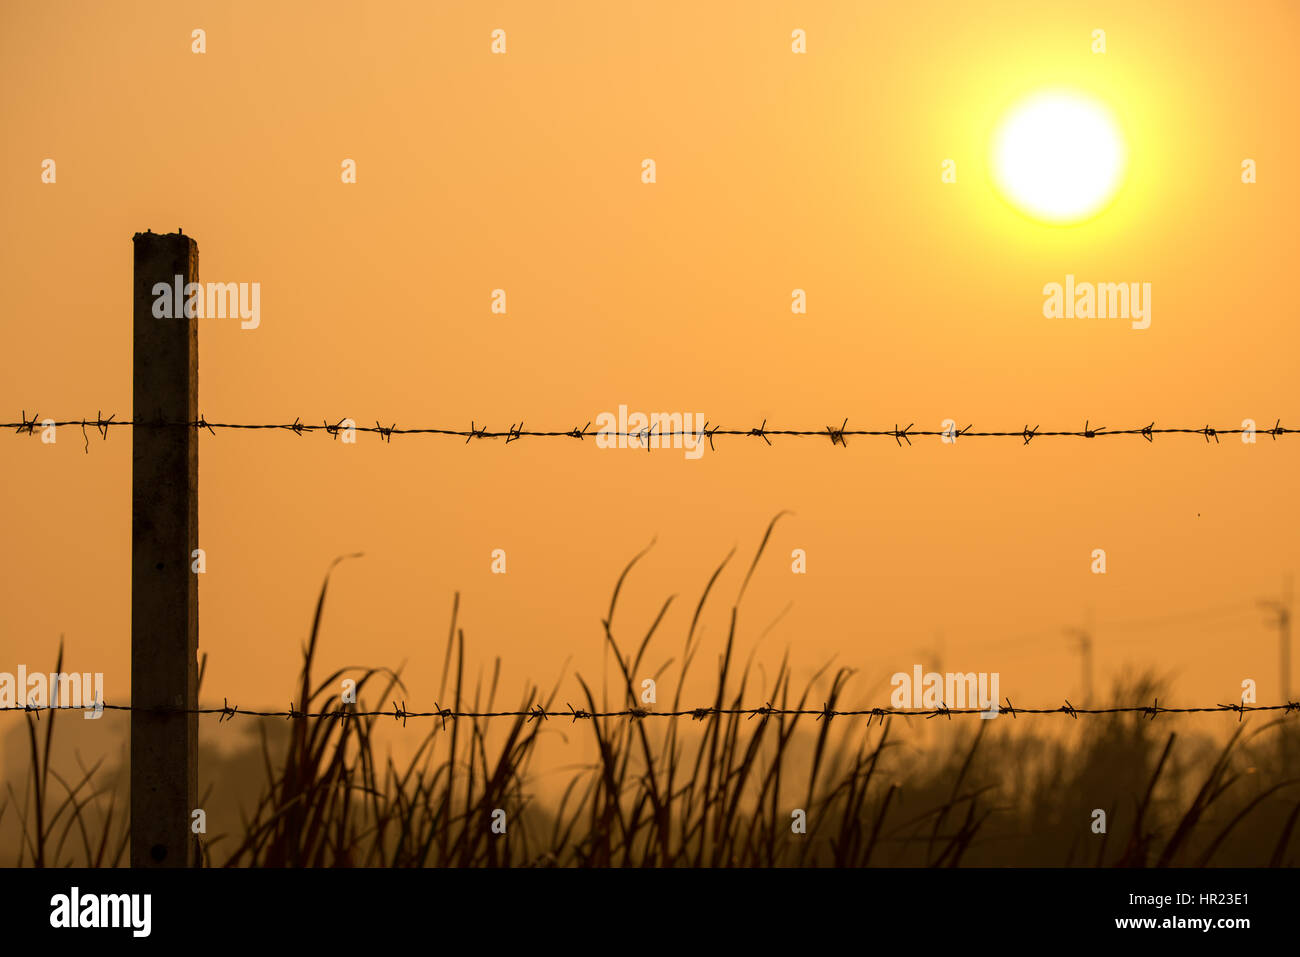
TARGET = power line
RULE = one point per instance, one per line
(1203, 614)
(1043, 636)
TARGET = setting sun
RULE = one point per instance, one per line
(1058, 157)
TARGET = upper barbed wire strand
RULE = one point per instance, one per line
(837, 435)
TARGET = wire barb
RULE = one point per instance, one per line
(837, 435)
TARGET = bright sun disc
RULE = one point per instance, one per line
(1058, 157)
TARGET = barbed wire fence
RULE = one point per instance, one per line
(165, 499)
(651, 436)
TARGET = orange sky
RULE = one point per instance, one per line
(776, 171)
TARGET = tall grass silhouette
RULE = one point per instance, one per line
(722, 791)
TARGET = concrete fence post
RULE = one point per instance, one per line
(164, 533)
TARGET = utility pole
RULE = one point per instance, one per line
(937, 652)
(1083, 639)
(1281, 611)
